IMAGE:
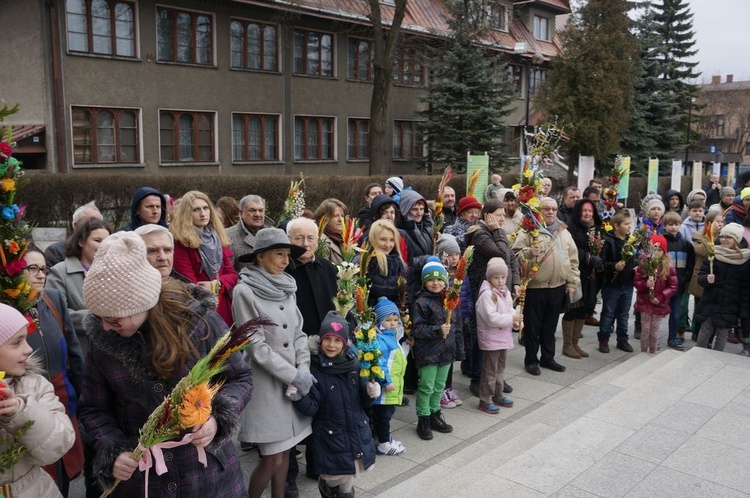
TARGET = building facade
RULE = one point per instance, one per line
(234, 87)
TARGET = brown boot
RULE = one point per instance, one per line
(577, 327)
(568, 349)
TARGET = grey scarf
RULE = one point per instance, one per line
(267, 286)
(210, 251)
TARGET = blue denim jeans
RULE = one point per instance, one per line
(616, 300)
(674, 316)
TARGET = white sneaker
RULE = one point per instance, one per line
(445, 401)
(453, 396)
(389, 448)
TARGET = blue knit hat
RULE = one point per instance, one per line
(433, 268)
(385, 308)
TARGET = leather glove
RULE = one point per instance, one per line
(303, 381)
(597, 264)
(373, 389)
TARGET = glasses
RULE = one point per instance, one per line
(112, 322)
(35, 269)
(301, 239)
(725, 237)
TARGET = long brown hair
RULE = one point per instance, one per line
(170, 323)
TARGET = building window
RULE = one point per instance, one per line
(719, 126)
(255, 137)
(541, 28)
(313, 53)
(538, 76)
(254, 46)
(313, 138)
(105, 27)
(359, 60)
(747, 149)
(183, 36)
(186, 136)
(407, 69)
(496, 16)
(515, 74)
(512, 139)
(357, 138)
(407, 140)
(102, 135)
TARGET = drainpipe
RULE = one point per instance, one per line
(57, 88)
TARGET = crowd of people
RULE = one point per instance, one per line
(126, 313)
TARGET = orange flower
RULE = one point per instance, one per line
(196, 405)
(12, 293)
(13, 247)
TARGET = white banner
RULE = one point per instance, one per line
(676, 175)
(585, 171)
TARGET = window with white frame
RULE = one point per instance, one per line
(101, 27)
(255, 137)
(314, 138)
(541, 28)
(104, 135)
(184, 36)
(254, 45)
(187, 136)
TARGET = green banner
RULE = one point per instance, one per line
(481, 164)
(622, 192)
(653, 176)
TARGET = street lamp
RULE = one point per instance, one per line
(690, 119)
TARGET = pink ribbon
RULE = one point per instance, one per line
(153, 456)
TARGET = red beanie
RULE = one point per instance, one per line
(659, 240)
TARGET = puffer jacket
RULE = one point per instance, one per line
(728, 298)
(46, 441)
(682, 255)
(663, 291)
(494, 319)
(121, 389)
(395, 368)
(337, 403)
(427, 317)
(384, 285)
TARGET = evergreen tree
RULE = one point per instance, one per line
(469, 95)
(654, 116)
(590, 86)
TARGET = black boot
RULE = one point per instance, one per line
(423, 428)
(437, 423)
(350, 494)
(325, 490)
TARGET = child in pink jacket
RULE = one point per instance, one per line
(496, 320)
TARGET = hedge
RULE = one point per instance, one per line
(52, 198)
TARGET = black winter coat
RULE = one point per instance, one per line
(427, 317)
(337, 403)
(728, 298)
(611, 255)
(590, 265)
(489, 244)
(418, 238)
(316, 288)
(385, 285)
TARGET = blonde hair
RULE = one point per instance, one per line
(382, 259)
(182, 221)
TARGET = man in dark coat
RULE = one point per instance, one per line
(148, 206)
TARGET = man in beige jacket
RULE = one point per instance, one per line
(557, 257)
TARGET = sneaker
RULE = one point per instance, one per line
(445, 401)
(398, 444)
(675, 344)
(453, 396)
(389, 448)
(506, 402)
(490, 408)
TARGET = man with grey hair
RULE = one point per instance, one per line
(242, 235)
(159, 247)
(56, 252)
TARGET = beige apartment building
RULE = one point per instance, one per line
(234, 86)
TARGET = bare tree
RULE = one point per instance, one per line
(385, 39)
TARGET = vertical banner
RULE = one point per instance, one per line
(653, 176)
(481, 164)
(676, 175)
(585, 171)
(697, 174)
(624, 190)
(731, 174)
(716, 168)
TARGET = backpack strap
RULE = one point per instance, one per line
(54, 310)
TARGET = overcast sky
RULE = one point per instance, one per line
(722, 39)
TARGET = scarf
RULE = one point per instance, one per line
(334, 236)
(210, 251)
(267, 286)
(731, 256)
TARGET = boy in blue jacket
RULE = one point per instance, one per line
(342, 441)
(682, 255)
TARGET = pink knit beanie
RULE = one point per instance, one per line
(121, 282)
(11, 321)
(496, 266)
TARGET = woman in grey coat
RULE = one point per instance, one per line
(280, 360)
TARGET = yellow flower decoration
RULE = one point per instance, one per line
(2, 374)
(359, 335)
(535, 268)
(371, 334)
(196, 405)
(607, 226)
(533, 202)
(369, 357)
(364, 373)
(528, 173)
(377, 370)
(7, 185)
(516, 187)
(361, 356)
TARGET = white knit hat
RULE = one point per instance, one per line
(121, 282)
(733, 230)
(11, 321)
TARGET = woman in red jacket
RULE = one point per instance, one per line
(201, 249)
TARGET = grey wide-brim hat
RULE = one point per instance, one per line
(271, 238)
